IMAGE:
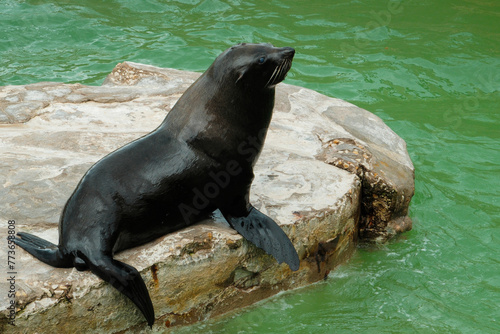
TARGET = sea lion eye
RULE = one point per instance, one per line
(262, 60)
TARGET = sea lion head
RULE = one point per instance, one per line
(258, 66)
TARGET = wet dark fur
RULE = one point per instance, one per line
(207, 144)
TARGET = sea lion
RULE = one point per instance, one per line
(199, 159)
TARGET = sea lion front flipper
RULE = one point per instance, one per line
(43, 250)
(125, 279)
(263, 232)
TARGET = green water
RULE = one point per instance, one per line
(430, 69)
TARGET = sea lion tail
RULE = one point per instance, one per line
(125, 279)
(263, 232)
(44, 250)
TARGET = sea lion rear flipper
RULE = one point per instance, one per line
(263, 232)
(43, 250)
(125, 279)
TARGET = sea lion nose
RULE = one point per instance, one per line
(287, 52)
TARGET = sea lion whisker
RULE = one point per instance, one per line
(281, 74)
(288, 65)
(271, 79)
(277, 74)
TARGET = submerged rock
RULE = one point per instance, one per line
(329, 172)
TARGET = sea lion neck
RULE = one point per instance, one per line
(232, 101)
(227, 103)
(223, 117)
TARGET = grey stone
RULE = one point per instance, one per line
(329, 172)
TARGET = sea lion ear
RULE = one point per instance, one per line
(240, 73)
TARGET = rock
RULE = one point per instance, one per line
(329, 172)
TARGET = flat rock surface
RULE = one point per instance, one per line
(329, 172)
